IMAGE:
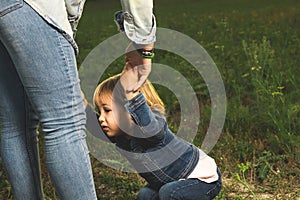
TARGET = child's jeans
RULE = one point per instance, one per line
(183, 189)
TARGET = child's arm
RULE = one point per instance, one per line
(128, 79)
(151, 126)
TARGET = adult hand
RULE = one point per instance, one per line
(142, 64)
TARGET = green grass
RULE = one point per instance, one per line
(256, 46)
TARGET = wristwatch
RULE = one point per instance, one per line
(146, 53)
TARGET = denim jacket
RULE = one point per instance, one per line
(155, 152)
(138, 20)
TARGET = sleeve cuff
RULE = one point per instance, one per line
(139, 35)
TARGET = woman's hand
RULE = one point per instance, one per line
(141, 66)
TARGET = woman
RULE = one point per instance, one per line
(39, 84)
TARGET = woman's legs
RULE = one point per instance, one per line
(45, 73)
(18, 137)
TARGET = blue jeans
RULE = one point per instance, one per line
(39, 84)
(188, 189)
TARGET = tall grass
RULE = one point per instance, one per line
(256, 47)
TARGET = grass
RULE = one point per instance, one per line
(256, 46)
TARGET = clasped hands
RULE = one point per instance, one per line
(135, 72)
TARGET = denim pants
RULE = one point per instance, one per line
(39, 84)
(192, 189)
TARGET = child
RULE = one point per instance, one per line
(135, 122)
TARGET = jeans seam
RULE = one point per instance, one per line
(188, 167)
(212, 189)
(72, 80)
(160, 170)
(83, 146)
(12, 8)
(180, 187)
(29, 148)
(67, 65)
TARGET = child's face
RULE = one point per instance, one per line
(109, 116)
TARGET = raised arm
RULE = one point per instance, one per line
(138, 22)
(150, 125)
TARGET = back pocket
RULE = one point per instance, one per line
(6, 6)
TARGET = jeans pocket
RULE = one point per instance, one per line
(8, 6)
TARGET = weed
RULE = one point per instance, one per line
(241, 177)
(265, 164)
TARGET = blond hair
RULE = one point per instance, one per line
(152, 98)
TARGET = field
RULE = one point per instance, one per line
(255, 45)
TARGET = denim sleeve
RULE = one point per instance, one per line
(137, 20)
(152, 125)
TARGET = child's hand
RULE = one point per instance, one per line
(129, 79)
(85, 102)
